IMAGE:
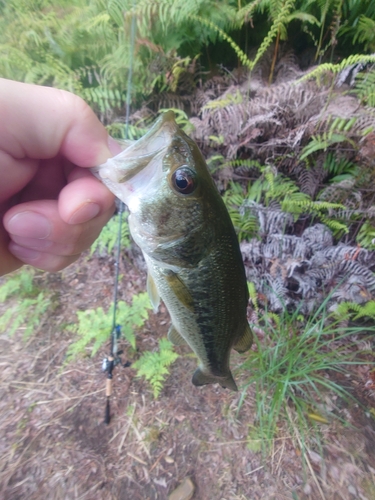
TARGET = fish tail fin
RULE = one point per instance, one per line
(245, 341)
(201, 378)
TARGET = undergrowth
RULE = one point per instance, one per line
(352, 311)
(292, 372)
(275, 188)
(95, 325)
(29, 303)
(108, 237)
(154, 366)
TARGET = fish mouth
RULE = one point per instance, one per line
(140, 154)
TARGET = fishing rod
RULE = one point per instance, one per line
(113, 359)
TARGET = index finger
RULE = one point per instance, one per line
(41, 122)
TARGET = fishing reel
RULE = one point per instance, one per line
(109, 362)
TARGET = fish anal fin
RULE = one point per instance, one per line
(153, 292)
(180, 290)
(202, 378)
(175, 337)
(245, 341)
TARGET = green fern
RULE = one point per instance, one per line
(338, 131)
(270, 186)
(339, 168)
(366, 235)
(365, 87)
(245, 224)
(253, 296)
(338, 228)
(19, 283)
(102, 98)
(354, 311)
(28, 306)
(239, 53)
(109, 236)
(277, 29)
(248, 163)
(94, 325)
(245, 12)
(326, 68)
(119, 130)
(316, 209)
(153, 366)
(227, 100)
(366, 33)
(309, 206)
(27, 313)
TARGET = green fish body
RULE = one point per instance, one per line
(180, 222)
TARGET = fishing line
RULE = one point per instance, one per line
(113, 359)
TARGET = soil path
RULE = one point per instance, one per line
(54, 444)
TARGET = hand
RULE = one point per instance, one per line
(51, 207)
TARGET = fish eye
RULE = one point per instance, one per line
(184, 180)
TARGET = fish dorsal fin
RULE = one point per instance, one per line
(153, 292)
(175, 337)
(244, 343)
(180, 290)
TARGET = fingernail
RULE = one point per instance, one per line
(84, 213)
(24, 254)
(114, 146)
(32, 242)
(29, 225)
(103, 154)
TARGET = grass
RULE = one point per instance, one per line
(292, 372)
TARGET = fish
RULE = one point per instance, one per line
(180, 222)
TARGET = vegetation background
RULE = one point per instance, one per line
(280, 97)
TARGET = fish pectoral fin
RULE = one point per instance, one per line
(153, 292)
(201, 378)
(244, 343)
(175, 337)
(180, 290)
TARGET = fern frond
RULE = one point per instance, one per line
(109, 236)
(245, 13)
(94, 325)
(278, 24)
(240, 54)
(20, 283)
(224, 101)
(318, 206)
(28, 303)
(326, 68)
(366, 235)
(355, 311)
(253, 295)
(154, 366)
(338, 228)
(365, 87)
(103, 98)
(243, 163)
(365, 33)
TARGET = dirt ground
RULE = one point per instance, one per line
(55, 445)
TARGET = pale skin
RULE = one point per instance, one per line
(51, 207)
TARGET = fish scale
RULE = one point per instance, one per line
(180, 222)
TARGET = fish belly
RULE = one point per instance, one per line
(205, 313)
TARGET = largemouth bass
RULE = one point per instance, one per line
(180, 222)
